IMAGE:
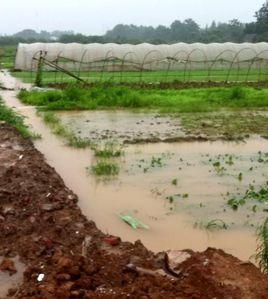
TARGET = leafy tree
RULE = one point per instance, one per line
(27, 34)
(187, 31)
(262, 19)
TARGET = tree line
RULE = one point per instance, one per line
(187, 31)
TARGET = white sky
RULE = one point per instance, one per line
(97, 16)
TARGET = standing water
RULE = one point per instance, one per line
(176, 189)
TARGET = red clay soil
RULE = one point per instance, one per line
(41, 222)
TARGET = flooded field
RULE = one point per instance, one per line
(190, 194)
(124, 126)
(182, 194)
(186, 192)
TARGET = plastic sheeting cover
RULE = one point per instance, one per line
(143, 55)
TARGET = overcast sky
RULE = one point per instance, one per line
(97, 16)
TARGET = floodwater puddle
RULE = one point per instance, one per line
(177, 191)
(122, 125)
(8, 281)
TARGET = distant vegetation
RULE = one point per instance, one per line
(31, 36)
(187, 31)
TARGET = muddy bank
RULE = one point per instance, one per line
(66, 256)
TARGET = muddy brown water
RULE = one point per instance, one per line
(11, 281)
(121, 125)
(144, 194)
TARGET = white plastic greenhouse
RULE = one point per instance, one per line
(143, 56)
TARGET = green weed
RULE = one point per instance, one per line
(174, 197)
(156, 162)
(261, 196)
(105, 168)
(215, 224)
(59, 129)
(220, 170)
(237, 93)
(16, 120)
(174, 182)
(107, 96)
(109, 150)
(262, 157)
(262, 250)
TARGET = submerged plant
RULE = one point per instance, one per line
(59, 129)
(174, 182)
(262, 157)
(102, 168)
(230, 160)
(262, 250)
(260, 196)
(78, 142)
(174, 197)
(109, 150)
(156, 162)
(234, 203)
(215, 224)
(218, 168)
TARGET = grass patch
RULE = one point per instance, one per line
(105, 168)
(16, 120)
(238, 93)
(188, 100)
(225, 124)
(109, 149)
(7, 56)
(58, 128)
(262, 250)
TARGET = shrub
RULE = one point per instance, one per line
(237, 93)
